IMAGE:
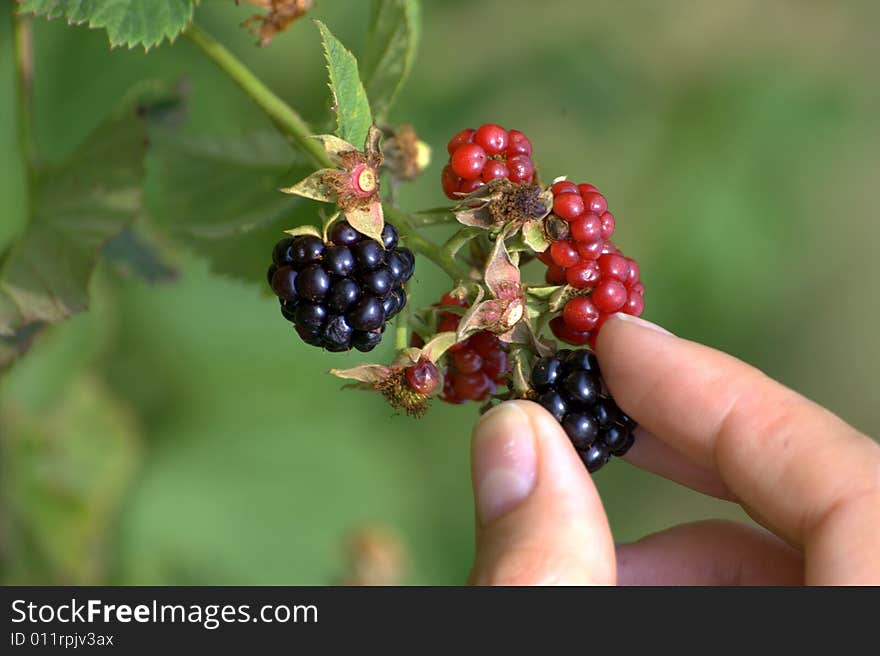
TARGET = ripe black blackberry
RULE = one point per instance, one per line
(570, 386)
(339, 294)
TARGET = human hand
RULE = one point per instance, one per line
(707, 421)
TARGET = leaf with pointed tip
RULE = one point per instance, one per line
(304, 230)
(363, 373)
(439, 344)
(334, 146)
(128, 22)
(353, 115)
(475, 217)
(219, 196)
(369, 220)
(392, 43)
(78, 206)
(313, 187)
(502, 276)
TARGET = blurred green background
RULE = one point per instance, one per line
(180, 434)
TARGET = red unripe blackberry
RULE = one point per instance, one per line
(568, 206)
(521, 169)
(518, 144)
(477, 157)
(423, 376)
(468, 161)
(595, 202)
(564, 187)
(555, 274)
(564, 253)
(614, 266)
(586, 228)
(566, 333)
(635, 304)
(472, 387)
(492, 138)
(463, 137)
(583, 274)
(580, 313)
(591, 250)
(585, 188)
(607, 222)
(609, 296)
(467, 361)
(493, 170)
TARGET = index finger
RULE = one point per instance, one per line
(799, 469)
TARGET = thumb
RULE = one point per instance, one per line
(539, 518)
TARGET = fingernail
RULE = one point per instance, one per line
(504, 461)
(628, 318)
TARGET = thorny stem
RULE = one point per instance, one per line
(424, 246)
(24, 62)
(285, 118)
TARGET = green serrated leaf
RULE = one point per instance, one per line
(353, 115)
(128, 22)
(78, 206)
(392, 44)
(219, 196)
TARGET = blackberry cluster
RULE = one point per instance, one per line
(480, 156)
(339, 294)
(585, 258)
(570, 386)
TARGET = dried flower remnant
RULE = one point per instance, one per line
(279, 16)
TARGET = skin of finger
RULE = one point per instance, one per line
(559, 535)
(659, 457)
(711, 552)
(792, 462)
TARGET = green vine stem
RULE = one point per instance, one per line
(459, 239)
(425, 247)
(24, 63)
(287, 120)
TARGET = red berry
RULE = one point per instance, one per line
(467, 361)
(494, 169)
(638, 288)
(607, 220)
(590, 251)
(564, 253)
(580, 313)
(473, 387)
(586, 228)
(422, 376)
(568, 206)
(449, 394)
(544, 257)
(594, 201)
(495, 365)
(614, 266)
(521, 168)
(634, 305)
(463, 137)
(483, 343)
(609, 296)
(416, 341)
(586, 189)
(448, 323)
(583, 274)
(449, 299)
(493, 138)
(634, 272)
(555, 274)
(518, 144)
(469, 186)
(468, 161)
(566, 333)
(608, 247)
(563, 187)
(450, 182)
